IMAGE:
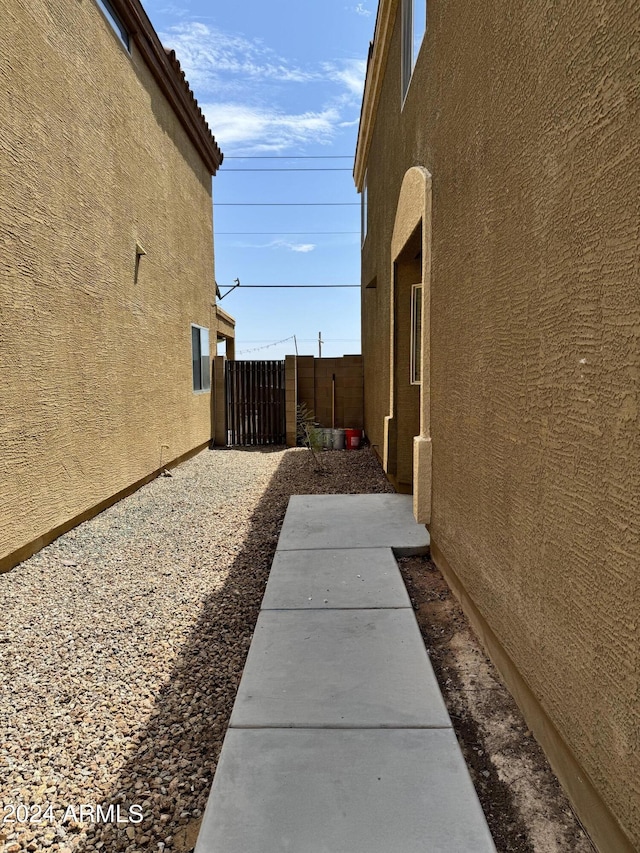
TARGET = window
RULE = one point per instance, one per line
(416, 334)
(414, 25)
(364, 199)
(118, 27)
(200, 358)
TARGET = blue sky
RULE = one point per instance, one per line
(281, 79)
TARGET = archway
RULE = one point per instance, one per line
(407, 448)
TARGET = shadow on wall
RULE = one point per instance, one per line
(192, 711)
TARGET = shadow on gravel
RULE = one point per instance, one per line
(192, 710)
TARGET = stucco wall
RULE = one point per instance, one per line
(527, 117)
(96, 375)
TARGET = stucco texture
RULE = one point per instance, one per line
(527, 115)
(96, 374)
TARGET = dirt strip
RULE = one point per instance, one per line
(526, 808)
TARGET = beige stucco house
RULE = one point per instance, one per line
(107, 294)
(498, 160)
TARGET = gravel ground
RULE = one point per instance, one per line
(122, 644)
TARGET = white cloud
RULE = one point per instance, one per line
(278, 244)
(248, 74)
(350, 73)
(173, 10)
(360, 9)
(207, 54)
(269, 130)
(296, 247)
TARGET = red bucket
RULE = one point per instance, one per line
(352, 438)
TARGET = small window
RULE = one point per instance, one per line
(200, 358)
(117, 25)
(416, 334)
(364, 212)
(414, 26)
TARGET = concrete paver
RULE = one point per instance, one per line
(353, 521)
(334, 578)
(342, 668)
(339, 739)
(353, 791)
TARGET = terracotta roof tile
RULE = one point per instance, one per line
(175, 63)
(166, 69)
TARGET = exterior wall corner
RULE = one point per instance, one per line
(422, 464)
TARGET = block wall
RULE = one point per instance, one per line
(332, 388)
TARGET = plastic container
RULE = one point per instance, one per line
(327, 439)
(352, 438)
(338, 439)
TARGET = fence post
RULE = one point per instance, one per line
(291, 398)
(220, 403)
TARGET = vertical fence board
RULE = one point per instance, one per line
(255, 392)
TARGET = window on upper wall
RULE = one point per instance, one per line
(414, 26)
(364, 201)
(200, 358)
(117, 25)
(416, 335)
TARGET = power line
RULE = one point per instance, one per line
(290, 157)
(287, 204)
(266, 346)
(296, 169)
(284, 233)
(302, 340)
(291, 338)
(317, 286)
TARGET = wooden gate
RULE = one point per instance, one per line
(255, 402)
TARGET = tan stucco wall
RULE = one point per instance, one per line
(527, 118)
(96, 375)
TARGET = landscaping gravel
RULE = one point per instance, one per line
(122, 644)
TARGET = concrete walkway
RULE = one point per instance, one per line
(339, 740)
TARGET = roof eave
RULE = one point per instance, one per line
(166, 69)
(373, 84)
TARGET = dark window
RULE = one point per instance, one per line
(200, 358)
(118, 27)
(416, 334)
(414, 25)
(364, 209)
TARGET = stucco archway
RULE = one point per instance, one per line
(407, 440)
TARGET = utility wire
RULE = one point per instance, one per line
(291, 338)
(266, 346)
(290, 157)
(287, 204)
(284, 233)
(274, 286)
(303, 340)
(296, 169)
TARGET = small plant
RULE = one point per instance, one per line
(308, 432)
(305, 421)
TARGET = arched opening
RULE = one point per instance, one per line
(407, 449)
(407, 281)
